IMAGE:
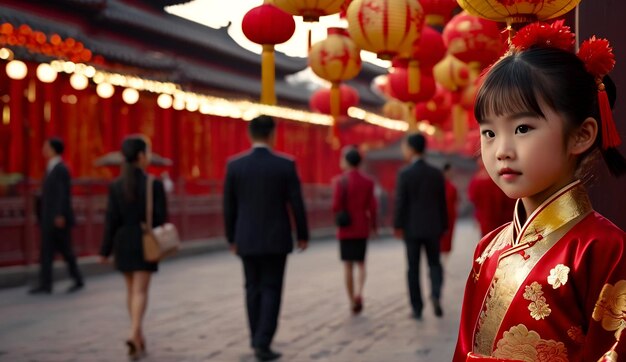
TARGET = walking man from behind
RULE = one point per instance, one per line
(260, 190)
(421, 219)
(56, 219)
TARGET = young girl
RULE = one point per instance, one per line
(550, 285)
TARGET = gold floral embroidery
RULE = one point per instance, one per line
(533, 291)
(610, 308)
(558, 276)
(538, 307)
(519, 343)
(576, 334)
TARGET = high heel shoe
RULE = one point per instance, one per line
(134, 350)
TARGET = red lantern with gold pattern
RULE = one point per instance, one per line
(268, 25)
(473, 40)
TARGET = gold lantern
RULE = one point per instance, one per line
(335, 59)
(518, 11)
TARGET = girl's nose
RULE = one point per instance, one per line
(504, 150)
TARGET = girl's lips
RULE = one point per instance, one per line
(508, 171)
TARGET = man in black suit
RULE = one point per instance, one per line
(421, 219)
(261, 188)
(56, 219)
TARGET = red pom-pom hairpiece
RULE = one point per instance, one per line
(598, 56)
(599, 60)
(555, 35)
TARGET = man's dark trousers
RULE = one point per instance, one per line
(55, 240)
(413, 251)
(264, 286)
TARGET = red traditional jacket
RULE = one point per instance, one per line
(552, 289)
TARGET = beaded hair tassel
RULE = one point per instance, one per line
(599, 60)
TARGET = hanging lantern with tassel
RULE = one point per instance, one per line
(310, 10)
(268, 25)
(518, 11)
(335, 59)
(320, 100)
(385, 27)
(476, 41)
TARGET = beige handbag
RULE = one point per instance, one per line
(161, 241)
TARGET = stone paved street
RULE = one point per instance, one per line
(197, 312)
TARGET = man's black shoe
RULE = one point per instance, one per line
(417, 315)
(40, 290)
(437, 306)
(76, 287)
(266, 354)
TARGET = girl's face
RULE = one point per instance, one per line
(525, 154)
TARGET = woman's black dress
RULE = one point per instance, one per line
(122, 228)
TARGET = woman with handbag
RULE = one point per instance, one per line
(124, 229)
(354, 206)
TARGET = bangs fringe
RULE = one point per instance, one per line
(508, 88)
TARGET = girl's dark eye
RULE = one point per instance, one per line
(488, 133)
(522, 129)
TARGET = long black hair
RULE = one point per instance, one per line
(518, 81)
(132, 146)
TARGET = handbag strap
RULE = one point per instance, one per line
(344, 195)
(149, 201)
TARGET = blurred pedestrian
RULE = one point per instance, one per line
(420, 219)
(451, 205)
(125, 215)
(260, 190)
(353, 194)
(56, 219)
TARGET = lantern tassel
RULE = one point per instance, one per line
(268, 96)
(459, 123)
(414, 76)
(335, 104)
(410, 117)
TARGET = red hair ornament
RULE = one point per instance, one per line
(597, 55)
(599, 60)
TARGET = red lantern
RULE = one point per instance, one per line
(430, 49)
(320, 100)
(398, 86)
(268, 25)
(473, 40)
(436, 110)
(438, 12)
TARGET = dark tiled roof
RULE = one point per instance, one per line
(144, 54)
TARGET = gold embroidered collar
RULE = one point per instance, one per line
(565, 205)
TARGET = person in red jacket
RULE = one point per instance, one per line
(353, 193)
